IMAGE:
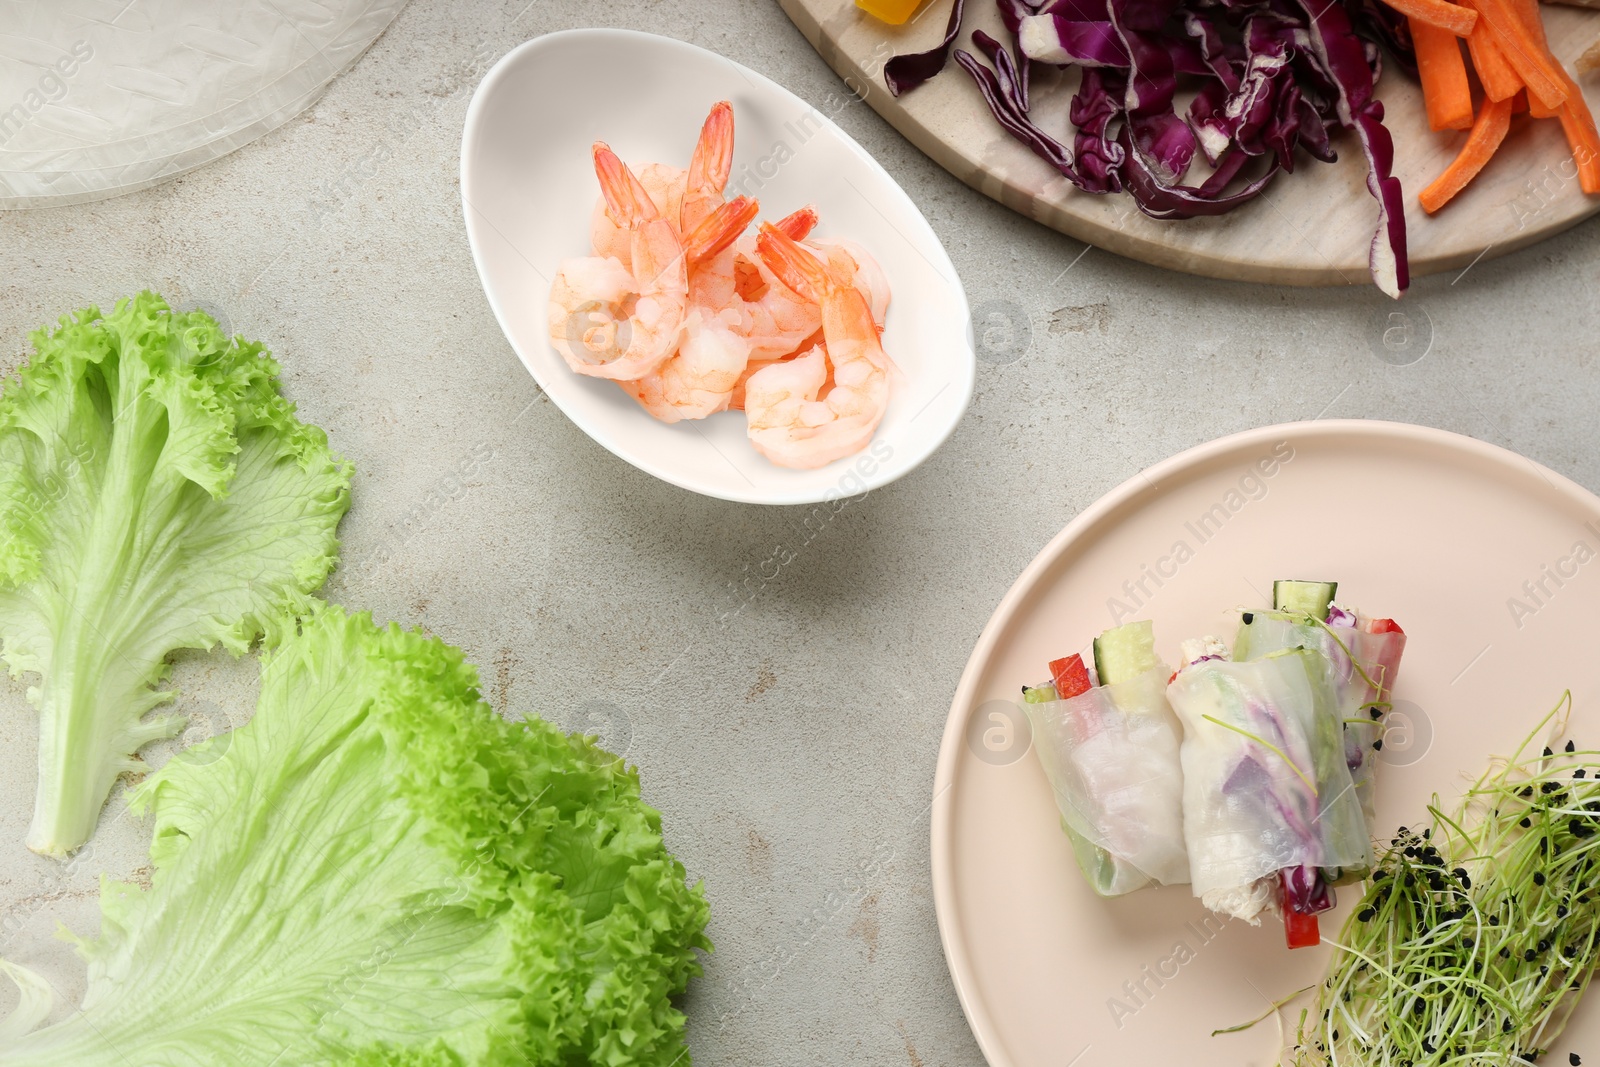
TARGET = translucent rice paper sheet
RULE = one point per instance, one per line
(1266, 786)
(1111, 754)
(102, 97)
(1362, 670)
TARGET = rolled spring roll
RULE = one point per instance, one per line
(1266, 785)
(1111, 755)
(1362, 658)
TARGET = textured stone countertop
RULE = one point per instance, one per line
(793, 750)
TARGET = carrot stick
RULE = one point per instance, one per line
(1528, 12)
(1538, 71)
(1441, 13)
(1494, 119)
(1444, 76)
(1578, 124)
(1576, 120)
(1499, 81)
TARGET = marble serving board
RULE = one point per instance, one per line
(1311, 227)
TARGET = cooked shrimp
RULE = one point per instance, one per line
(756, 366)
(778, 320)
(698, 379)
(790, 421)
(664, 183)
(604, 327)
(847, 257)
(774, 327)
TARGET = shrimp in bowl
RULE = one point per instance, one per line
(693, 314)
(825, 404)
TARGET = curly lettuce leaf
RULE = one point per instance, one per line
(156, 493)
(379, 871)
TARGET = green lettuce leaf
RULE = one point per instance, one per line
(156, 493)
(378, 870)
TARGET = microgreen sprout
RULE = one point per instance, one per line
(1477, 935)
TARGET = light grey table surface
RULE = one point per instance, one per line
(794, 747)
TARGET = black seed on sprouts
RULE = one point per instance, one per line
(1572, 1057)
(1505, 953)
(1549, 787)
(1538, 878)
(1366, 915)
(1529, 956)
(1547, 752)
(1377, 746)
(1561, 911)
(1579, 773)
(1377, 713)
(1525, 823)
(1527, 791)
(1571, 747)
(1544, 944)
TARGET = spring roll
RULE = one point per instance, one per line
(1111, 755)
(1266, 784)
(1361, 657)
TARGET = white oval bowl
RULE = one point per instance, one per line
(528, 187)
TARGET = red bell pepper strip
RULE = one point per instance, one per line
(1301, 931)
(1071, 676)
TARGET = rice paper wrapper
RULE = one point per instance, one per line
(1361, 671)
(1112, 757)
(1266, 784)
(102, 97)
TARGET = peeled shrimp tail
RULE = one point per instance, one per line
(720, 229)
(665, 185)
(709, 167)
(799, 224)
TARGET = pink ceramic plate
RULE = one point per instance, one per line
(1475, 550)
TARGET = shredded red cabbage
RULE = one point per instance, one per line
(1305, 891)
(1271, 77)
(904, 73)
